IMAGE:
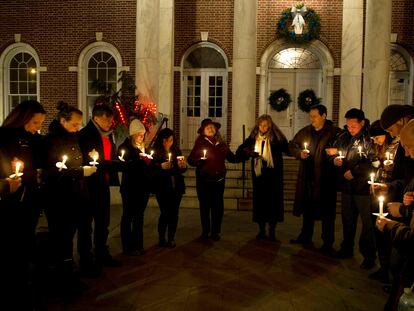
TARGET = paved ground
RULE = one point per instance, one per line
(236, 273)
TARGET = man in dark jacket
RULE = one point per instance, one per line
(354, 169)
(315, 196)
(96, 140)
(401, 233)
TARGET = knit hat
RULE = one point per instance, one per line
(206, 122)
(376, 130)
(135, 127)
(393, 113)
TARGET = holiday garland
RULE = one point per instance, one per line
(307, 99)
(311, 28)
(280, 100)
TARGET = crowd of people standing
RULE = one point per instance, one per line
(67, 175)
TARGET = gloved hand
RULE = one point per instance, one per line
(88, 170)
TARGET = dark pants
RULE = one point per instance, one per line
(328, 228)
(132, 220)
(98, 210)
(169, 203)
(210, 196)
(352, 205)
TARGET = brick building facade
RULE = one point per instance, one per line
(60, 31)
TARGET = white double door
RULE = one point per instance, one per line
(204, 95)
(294, 81)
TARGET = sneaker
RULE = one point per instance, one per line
(367, 264)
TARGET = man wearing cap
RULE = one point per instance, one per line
(353, 170)
(393, 119)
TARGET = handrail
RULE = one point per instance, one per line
(164, 120)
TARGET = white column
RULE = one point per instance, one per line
(244, 68)
(166, 58)
(376, 58)
(147, 65)
(351, 57)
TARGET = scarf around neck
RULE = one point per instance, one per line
(265, 153)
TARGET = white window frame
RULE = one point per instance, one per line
(83, 62)
(5, 58)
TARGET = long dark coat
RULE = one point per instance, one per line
(268, 196)
(322, 187)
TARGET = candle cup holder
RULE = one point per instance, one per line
(93, 163)
(13, 176)
(203, 158)
(121, 158)
(383, 215)
(61, 166)
(388, 162)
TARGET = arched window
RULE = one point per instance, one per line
(401, 72)
(20, 76)
(100, 64)
(293, 58)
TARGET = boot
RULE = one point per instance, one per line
(272, 232)
(262, 232)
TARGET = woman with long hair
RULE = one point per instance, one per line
(20, 148)
(265, 146)
(169, 166)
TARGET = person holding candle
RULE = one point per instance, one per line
(315, 196)
(169, 187)
(135, 189)
(210, 176)
(66, 191)
(265, 146)
(96, 138)
(353, 177)
(20, 142)
(393, 119)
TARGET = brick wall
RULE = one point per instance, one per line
(59, 30)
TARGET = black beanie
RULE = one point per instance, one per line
(376, 130)
(393, 113)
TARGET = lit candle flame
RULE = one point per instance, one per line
(340, 154)
(18, 164)
(381, 206)
(372, 175)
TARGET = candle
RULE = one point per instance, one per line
(94, 162)
(18, 164)
(204, 153)
(372, 175)
(151, 153)
(169, 157)
(381, 206)
(388, 161)
(306, 147)
(122, 153)
(255, 150)
(340, 154)
(360, 151)
(17, 167)
(62, 165)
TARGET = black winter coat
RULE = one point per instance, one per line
(66, 184)
(89, 139)
(360, 166)
(316, 176)
(268, 193)
(168, 180)
(136, 173)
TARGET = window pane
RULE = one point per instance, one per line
(197, 112)
(32, 88)
(219, 91)
(219, 102)
(211, 102)
(13, 75)
(22, 88)
(218, 113)
(197, 102)
(14, 88)
(197, 91)
(212, 91)
(211, 112)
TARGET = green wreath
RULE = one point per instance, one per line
(280, 100)
(311, 28)
(307, 99)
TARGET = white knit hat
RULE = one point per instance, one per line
(135, 127)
